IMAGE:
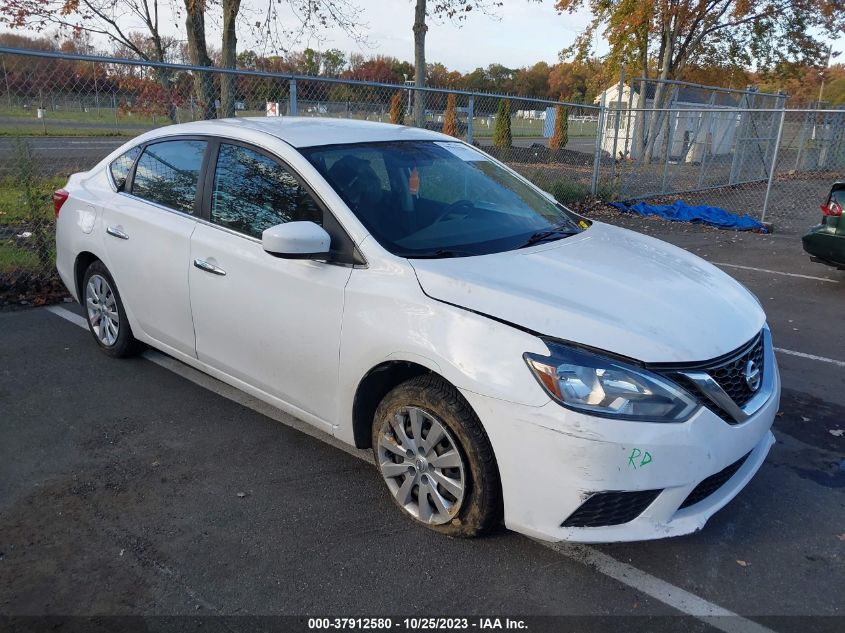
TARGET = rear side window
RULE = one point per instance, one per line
(168, 173)
(121, 165)
(253, 192)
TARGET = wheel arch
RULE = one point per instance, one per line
(80, 265)
(372, 389)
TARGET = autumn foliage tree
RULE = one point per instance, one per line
(502, 137)
(397, 108)
(560, 137)
(450, 120)
(669, 35)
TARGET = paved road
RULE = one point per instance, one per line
(120, 488)
(67, 154)
(59, 154)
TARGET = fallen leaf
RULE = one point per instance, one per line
(741, 563)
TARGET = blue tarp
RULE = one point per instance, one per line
(679, 211)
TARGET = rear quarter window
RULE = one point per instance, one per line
(121, 166)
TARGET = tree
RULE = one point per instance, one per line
(379, 69)
(228, 58)
(502, 137)
(334, 61)
(681, 32)
(533, 81)
(450, 120)
(397, 108)
(578, 81)
(561, 134)
(198, 52)
(100, 18)
(456, 10)
(310, 15)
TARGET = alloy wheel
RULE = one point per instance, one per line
(420, 461)
(101, 305)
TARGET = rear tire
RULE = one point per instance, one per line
(436, 458)
(105, 315)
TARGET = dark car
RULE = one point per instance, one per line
(825, 242)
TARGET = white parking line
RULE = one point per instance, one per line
(776, 272)
(67, 315)
(822, 359)
(667, 593)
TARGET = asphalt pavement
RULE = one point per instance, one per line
(143, 487)
(64, 155)
(60, 155)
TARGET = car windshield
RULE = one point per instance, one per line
(440, 198)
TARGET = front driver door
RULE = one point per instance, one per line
(273, 323)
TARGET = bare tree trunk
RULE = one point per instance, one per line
(420, 30)
(229, 54)
(638, 143)
(203, 81)
(667, 49)
(165, 78)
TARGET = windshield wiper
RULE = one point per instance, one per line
(442, 253)
(556, 232)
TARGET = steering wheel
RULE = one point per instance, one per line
(467, 205)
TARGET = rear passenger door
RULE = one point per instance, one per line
(270, 322)
(147, 228)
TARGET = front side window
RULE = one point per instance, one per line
(168, 173)
(121, 165)
(253, 192)
(439, 198)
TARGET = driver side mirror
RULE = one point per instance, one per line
(296, 240)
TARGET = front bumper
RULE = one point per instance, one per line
(552, 459)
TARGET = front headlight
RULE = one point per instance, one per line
(607, 387)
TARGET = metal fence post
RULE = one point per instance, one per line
(772, 166)
(470, 117)
(594, 185)
(6, 79)
(292, 106)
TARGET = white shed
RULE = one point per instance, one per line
(700, 124)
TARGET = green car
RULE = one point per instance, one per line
(825, 242)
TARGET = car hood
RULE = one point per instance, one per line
(607, 288)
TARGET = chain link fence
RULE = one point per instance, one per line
(740, 150)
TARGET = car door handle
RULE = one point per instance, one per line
(209, 268)
(116, 231)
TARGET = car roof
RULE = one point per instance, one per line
(310, 131)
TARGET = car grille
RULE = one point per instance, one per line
(731, 374)
(712, 483)
(611, 508)
(728, 372)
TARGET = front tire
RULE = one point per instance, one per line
(436, 459)
(106, 317)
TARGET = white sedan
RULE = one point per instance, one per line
(504, 358)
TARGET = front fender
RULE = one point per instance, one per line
(387, 317)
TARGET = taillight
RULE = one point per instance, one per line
(833, 208)
(59, 198)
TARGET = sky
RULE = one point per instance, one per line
(518, 34)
